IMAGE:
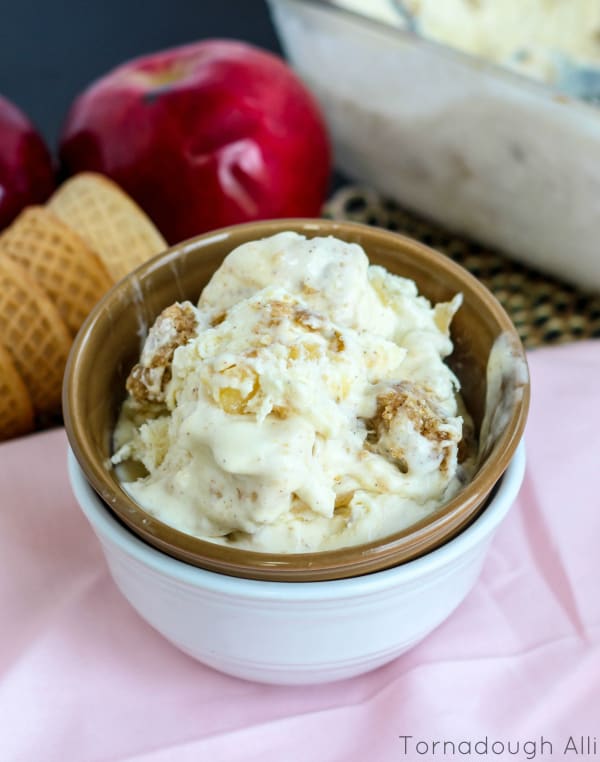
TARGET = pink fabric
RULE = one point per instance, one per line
(82, 677)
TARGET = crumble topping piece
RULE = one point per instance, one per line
(173, 328)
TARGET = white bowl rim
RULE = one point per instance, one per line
(111, 530)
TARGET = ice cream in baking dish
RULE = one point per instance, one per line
(539, 38)
(303, 404)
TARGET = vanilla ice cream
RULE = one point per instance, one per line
(303, 404)
(539, 38)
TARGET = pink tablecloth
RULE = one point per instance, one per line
(82, 677)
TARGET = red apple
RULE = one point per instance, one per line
(26, 172)
(202, 136)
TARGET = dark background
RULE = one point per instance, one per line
(51, 50)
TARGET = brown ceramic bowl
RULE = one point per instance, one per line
(109, 343)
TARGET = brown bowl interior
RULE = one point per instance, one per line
(109, 344)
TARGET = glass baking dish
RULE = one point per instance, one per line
(483, 150)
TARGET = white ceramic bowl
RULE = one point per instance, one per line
(296, 632)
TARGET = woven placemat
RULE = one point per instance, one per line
(544, 310)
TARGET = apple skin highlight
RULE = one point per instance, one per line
(203, 136)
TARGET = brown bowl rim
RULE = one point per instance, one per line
(352, 560)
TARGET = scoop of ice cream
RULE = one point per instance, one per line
(331, 277)
(530, 37)
(536, 37)
(303, 404)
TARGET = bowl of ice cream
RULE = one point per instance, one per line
(296, 400)
(295, 441)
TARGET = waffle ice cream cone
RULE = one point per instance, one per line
(108, 220)
(16, 410)
(32, 330)
(60, 262)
